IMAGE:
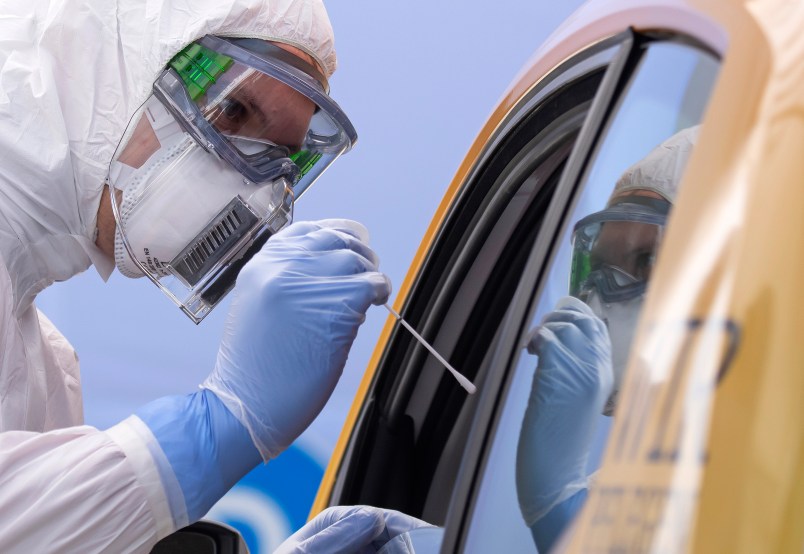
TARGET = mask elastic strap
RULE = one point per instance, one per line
(162, 122)
(658, 205)
(118, 174)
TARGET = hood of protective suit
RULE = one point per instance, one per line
(72, 74)
(661, 170)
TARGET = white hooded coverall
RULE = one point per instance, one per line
(72, 74)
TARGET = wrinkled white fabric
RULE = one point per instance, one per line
(72, 74)
(40, 384)
(662, 169)
(71, 490)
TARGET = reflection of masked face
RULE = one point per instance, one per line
(613, 255)
(620, 319)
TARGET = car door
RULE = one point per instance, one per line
(420, 444)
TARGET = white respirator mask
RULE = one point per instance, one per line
(175, 195)
(210, 166)
(621, 320)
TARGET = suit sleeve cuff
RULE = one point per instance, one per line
(153, 472)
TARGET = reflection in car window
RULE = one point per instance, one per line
(556, 418)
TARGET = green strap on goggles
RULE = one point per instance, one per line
(581, 267)
(305, 160)
(199, 67)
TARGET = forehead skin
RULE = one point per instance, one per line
(300, 53)
(620, 243)
(278, 113)
(292, 108)
(287, 109)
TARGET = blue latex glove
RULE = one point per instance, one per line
(296, 309)
(424, 540)
(207, 448)
(349, 529)
(573, 379)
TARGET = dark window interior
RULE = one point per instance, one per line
(407, 448)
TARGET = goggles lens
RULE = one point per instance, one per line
(263, 116)
(614, 251)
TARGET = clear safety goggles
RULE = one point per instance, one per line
(263, 110)
(614, 250)
(268, 128)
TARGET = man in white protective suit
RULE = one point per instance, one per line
(167, 139)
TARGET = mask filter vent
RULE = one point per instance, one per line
(209, 246)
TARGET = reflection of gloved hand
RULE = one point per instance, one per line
(296, 309)
(349, 529)
(571, 384)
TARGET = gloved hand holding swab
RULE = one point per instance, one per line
(463, 381)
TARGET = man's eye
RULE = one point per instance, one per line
(644, 265)
(233, 112)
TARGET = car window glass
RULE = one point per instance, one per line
(408, 444)
(534, 470)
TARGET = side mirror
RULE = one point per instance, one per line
(202, 537)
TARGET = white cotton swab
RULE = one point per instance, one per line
(463, 381)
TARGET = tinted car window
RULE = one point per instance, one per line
(665, 95)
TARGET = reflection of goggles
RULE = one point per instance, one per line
(613, 250)
(221, 93)
(242, 128)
